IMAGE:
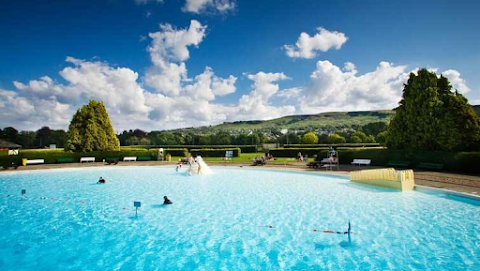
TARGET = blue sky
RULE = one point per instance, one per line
(251, 74)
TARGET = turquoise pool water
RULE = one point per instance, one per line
(233, 219)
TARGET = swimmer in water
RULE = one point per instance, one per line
(101, 180)
(166, 200)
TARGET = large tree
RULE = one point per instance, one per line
(9, 134)
(433, 117)
(310, 138)
(91, 130)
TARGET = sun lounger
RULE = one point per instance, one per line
(129, 159)
(35, 161)
(359, 162)
(87, 159)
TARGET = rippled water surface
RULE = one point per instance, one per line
(233, 219)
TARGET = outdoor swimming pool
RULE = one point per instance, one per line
(233, 219)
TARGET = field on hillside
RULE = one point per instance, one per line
(324, 121)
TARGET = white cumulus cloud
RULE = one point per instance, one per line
(290, 93)
(172, 44)
(332, 89)
(143, 2)
(457, 82)
(256, 104)
(201, 6)
(116, 87)
(308, 46)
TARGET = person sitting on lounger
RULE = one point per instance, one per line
(333, 159)
(166, 200)
(101, 180)
(331, 151)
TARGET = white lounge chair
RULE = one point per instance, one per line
(359, 162)
(35, 161)
(87, 159)
(129, 158)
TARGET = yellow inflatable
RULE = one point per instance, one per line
(388, 177)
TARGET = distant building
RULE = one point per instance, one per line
(8, 145)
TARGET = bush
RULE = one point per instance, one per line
(215, 152)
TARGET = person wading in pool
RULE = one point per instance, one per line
(101, 180)
(166, 200)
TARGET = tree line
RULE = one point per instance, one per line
(45, 136)
(34, 139)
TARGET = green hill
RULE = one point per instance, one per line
(332, 121)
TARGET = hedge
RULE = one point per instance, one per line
(466, 162)
(243, 148)
(293, 152)
(183, 152)
(51, 156)
(215, 152)
(346, 145)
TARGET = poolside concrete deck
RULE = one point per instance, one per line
(462, 183)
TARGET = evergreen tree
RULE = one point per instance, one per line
(432, 117)
(91, 130)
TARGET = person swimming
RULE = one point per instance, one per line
(166, 200)
(101, 180)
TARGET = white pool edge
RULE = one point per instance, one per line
(422, 188)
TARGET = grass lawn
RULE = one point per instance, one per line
(244, 158)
